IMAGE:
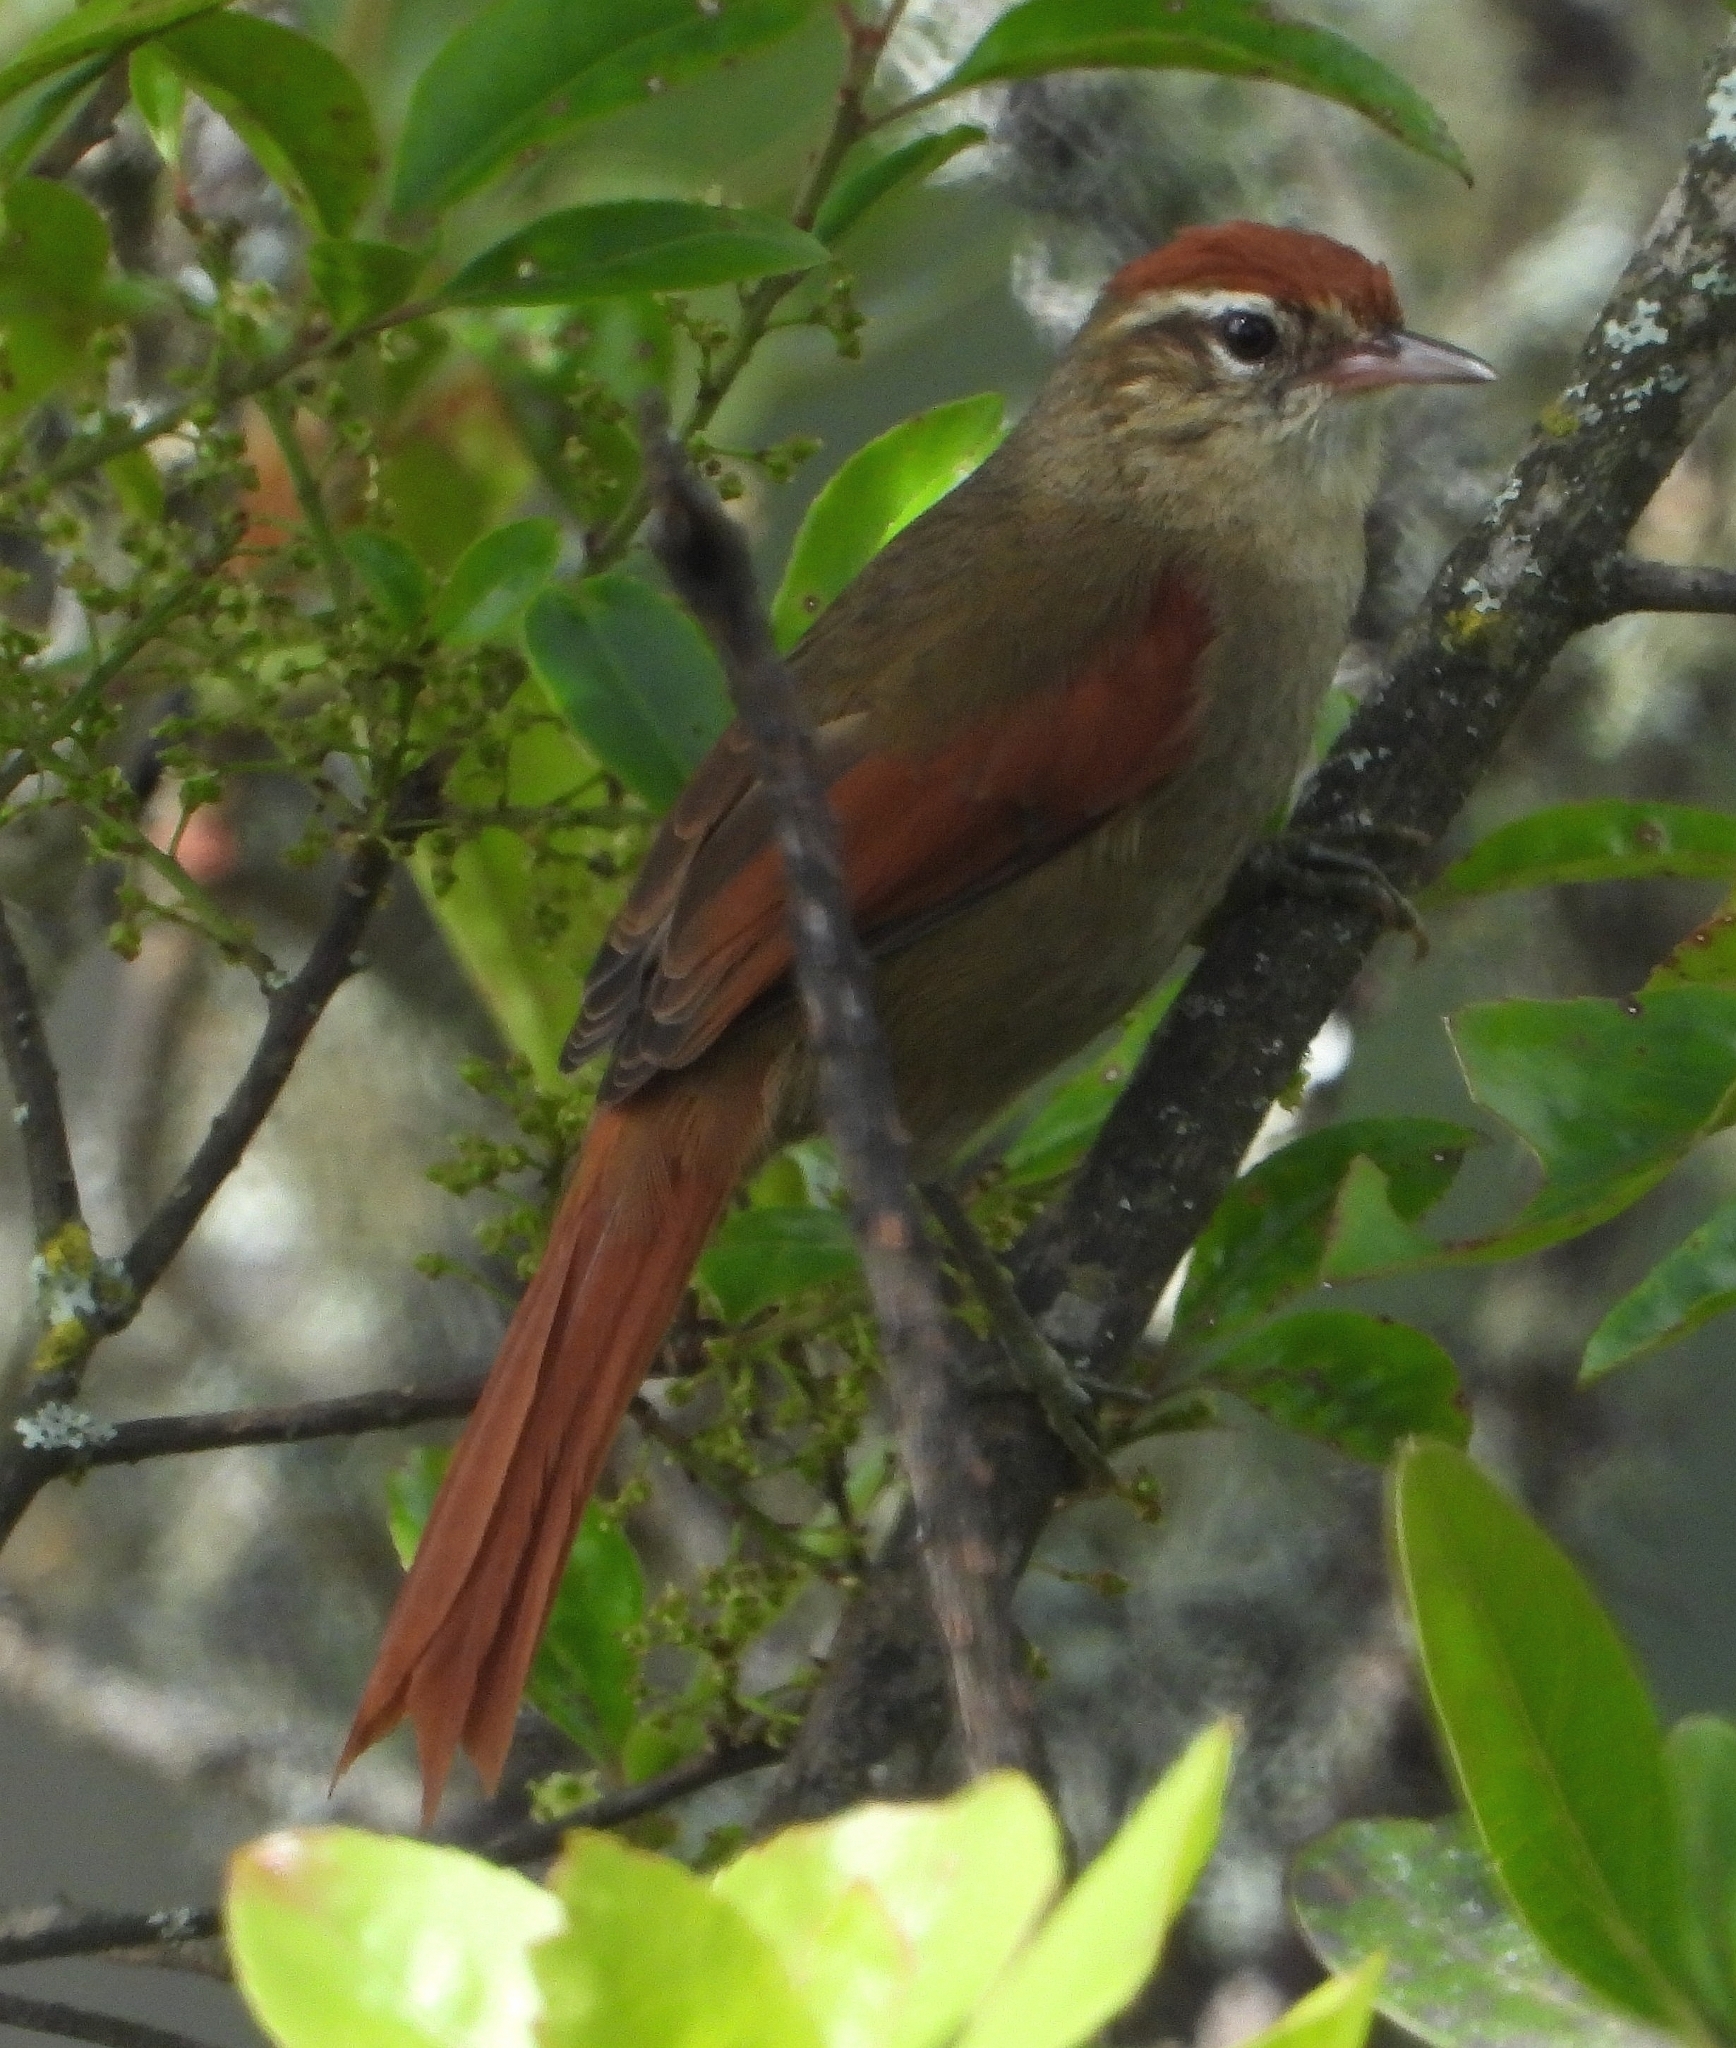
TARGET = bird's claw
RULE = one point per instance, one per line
(1334, 864)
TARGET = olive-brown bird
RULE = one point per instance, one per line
(1053, 715)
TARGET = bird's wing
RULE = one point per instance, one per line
(703, 935)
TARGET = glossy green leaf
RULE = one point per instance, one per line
(1093, 1954)
(1269, 1234)
(1459, 1967)
(760, 1256)
(1606, 841)
(1610, 1095)
(1336, 2014)
(583, 1675)
(493, 580)
(487, 905)
(98, 29)
(1706, 956)
(390, 574)
(653, 1957)
(296, 105)
(359, 281)
(868, 176)
(1360, 1382)
(519, 73)
(1550, 1732)
(631, 245)
(893, 1921)
(634, 677)
(879, 491)
(1687, 1287)
(1701, 1757)
(377, 1942)
(160, 94)
(1241, 38)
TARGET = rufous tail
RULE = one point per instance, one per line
(653, 1177)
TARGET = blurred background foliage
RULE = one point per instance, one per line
(200, 1626)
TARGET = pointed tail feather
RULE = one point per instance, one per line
(654, 1176)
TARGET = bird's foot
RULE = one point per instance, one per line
(1038, 1367)
(1341, 863)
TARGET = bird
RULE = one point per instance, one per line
(1052, 716)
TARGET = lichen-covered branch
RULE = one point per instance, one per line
(1545, 561)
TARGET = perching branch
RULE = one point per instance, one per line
(38, 1112)
(73, 2023)
(707, 560)
(1534, 572)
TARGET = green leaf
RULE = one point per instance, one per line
(652, 1957)
(377, 1942)
(53, 265)
(1706, 955)
(1367, 1236)
(97, 29)
(1701, 1757)
(520, 73)
(634, 677)
(296, 105)
(1609, 1095)
(1687, 1287)
(1459, 1967)
(893, 1921)
(1550, 1731)
(766, 1255)
(1093, 1954)
(488, 910)
(1270, 1233)
(493, 580)
(27, 130)
(1241, 38)
(160, 94)
(631, 245)
(583, 1674)
(359, 281)
(879, 491)
(390, 574)
(1606, 841)
(863, 184)
(1358, 1381)
(1336, 2014)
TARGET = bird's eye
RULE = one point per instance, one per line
(1249, 337)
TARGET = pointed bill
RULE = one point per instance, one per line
(1403, 358)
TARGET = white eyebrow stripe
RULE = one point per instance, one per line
(1204, 305)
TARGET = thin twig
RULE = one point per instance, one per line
(74, 2023)
(39, 1114)
(92, 124)
(123, 1285)
(1659, 359)
(133, 641)
(707, 560)
(1629, 583)
(38, 1934)
(279, 414)
(532, 1840)
(300, 1422)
